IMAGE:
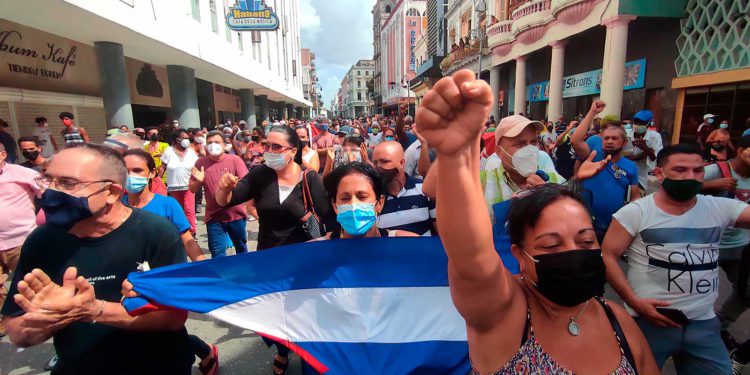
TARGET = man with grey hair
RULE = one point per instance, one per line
(68, 280)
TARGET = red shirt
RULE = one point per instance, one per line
(214, 170)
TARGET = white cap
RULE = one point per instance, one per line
(512, 126)
(707, 116)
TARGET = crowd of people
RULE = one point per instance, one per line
(577, 199)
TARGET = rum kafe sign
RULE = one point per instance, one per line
(33, 59)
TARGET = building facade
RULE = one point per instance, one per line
(431, 49)
(713, 67)
(142, 64)
(401, 29)
(354, 92)
(552, 58)
(380, 12)
(310, 86)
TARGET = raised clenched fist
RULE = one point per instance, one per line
(452, 114)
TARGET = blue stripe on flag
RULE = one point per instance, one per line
(351, 263)
(427, 357)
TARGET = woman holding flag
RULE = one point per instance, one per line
(543, 320)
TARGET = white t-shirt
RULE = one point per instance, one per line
(374, 140)
(45, 141)
(734, 239)
(411, 160)
(675, 258)
(646, 165)
(178, 169)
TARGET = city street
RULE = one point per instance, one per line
(242, 351)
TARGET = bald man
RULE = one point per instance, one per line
(406, 207)
(123, 142)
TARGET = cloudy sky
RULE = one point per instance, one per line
(339, 32)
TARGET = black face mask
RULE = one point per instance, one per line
(718, 147)
(30, 155)
(255, 138)
(570, 278)
(154, 137)
(681, 190)
(388, 174)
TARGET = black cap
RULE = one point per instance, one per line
(66, 114)
(40, 119)
(744, 141)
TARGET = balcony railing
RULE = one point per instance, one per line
(529, 19)
(531, 8)
(500, 33)
(467, 52)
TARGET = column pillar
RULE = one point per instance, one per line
(495, 85)
(519, 105)
(263, 102)
(183, 93)
(114, 83)
(613, 68)
(555, 110)
(282, 111)
(290, 111)
(247, 102)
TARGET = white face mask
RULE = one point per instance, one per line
(524, 160)
(185, 143)
(275, 161)
(214, 149)
(227, 148)
(199, 140)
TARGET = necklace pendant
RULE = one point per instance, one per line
(573, 327)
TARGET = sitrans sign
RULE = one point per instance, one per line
(252, 15)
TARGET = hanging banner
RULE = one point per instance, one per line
(589, 83)
(252, 15)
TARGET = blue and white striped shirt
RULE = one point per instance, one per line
(410, 210)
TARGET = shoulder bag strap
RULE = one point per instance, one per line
(307, 196)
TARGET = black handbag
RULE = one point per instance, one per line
(310, 222)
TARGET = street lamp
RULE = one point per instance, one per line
(480, 8)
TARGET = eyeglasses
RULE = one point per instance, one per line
(274, 147)
(67, 184)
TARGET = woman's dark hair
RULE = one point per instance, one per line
(260, 131)
(353, 139)
(176, 134)
(143, 155)
(331, 182)
(292, 138)
(525, 212)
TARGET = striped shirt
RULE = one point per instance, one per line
(410, 210)
(73, 137)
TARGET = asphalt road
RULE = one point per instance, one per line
(242, 351)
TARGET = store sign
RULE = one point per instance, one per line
(412, 32)
(252, 15)
(149, 84)
(35, 60)
(589, 83)
(412, 44)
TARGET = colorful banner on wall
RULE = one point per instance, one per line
(252, 15)
(589, 83)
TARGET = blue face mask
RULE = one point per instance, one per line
(64, 210)
(356, 219)
(136, 184)
(723, 126)
(324, 127)
(628, 126)
(710, 121)
(389, 138)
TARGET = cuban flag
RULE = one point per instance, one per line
(349, 306)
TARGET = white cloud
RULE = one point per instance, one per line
(339, 32)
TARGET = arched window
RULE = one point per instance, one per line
(412, 13)
(387, 8)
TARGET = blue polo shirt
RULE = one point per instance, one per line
(166, 207)
(607, 191)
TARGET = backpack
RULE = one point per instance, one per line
(726, 172)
